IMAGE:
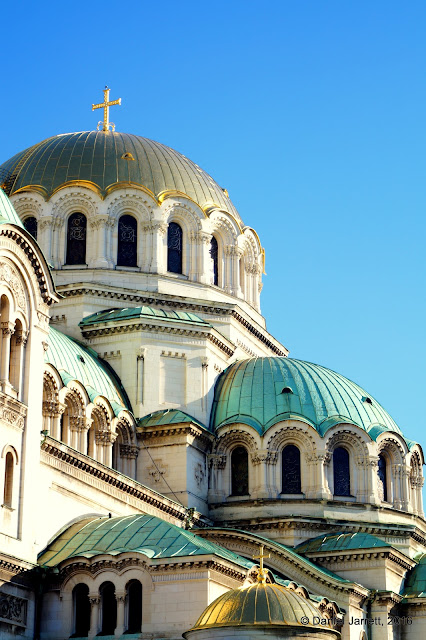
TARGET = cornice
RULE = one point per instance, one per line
(53, 449)
(304, 522)
(173, 431)
(97, 565)
(366, 555)
(222, 309)
(209, 333)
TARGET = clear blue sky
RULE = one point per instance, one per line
(311, 114)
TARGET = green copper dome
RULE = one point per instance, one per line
(263, 391)
(105, 159)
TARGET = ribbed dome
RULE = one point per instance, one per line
(259, 604)
(263, 391)
(97, 157)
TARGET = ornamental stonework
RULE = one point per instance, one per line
(12, 412)
(13, 609)
(9, 275)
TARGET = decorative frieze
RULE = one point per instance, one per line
(9, 275)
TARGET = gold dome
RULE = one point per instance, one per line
(262, 604)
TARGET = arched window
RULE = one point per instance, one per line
(291, 469)
(127, 241)
(8, 480)
(382, 478)
(214, 255)
(76, 239)
(81, 603)
(134, 606)
(239, 472)
(341, 472)
(174, 248)
(30, 225)
(108, 609)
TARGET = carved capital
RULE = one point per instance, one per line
(217, 461)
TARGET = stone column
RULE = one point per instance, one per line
(22, 343)
(7, 331)
(45, 236)
(397, 495)
(121, 602)
(405, 487)
(371, 465)
(104, 441)
(100, 225)
(94, 615)
(201, 266)
(158, 232)
(217, 463)
(77, 425)
(262, 460)
(322, 491)
(233, 255)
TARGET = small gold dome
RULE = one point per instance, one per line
(261, 604)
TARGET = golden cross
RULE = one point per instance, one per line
(105, 105)
(261, 576)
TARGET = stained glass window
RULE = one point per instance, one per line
(174, 248)
(76, 239)
(341, 472)
(214, 255)
(239, 472)
(382, 479)
(30, 225)
(127, 241)
(291, 469)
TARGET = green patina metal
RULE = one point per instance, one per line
(144, 534)
(97, 157)
(168, 416)
(263, 391)
(73, 361)
(130, 313)
(341, 541)
(273, 544)
(415, 583)
(7, 212)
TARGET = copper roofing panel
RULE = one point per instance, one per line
(73, 361)
(138, 533)
(263, 391)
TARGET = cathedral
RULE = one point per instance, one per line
(166, 469)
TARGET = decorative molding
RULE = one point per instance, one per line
(72, 202)
(10, 275)
(234, 437)
(12, 412)
(141, 300)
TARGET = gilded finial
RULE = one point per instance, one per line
(262, 572)
(105, 105)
